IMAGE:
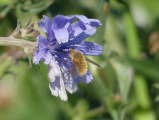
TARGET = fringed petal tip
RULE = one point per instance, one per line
(57, 89)
(56, 84)
(95, 22)
(82, 29)
(72, 87)
(87, 78)
(45, 24)
(90, 48)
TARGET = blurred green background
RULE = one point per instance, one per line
(127, 86)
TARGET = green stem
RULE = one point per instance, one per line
(5, 11)
(131, 36)
(122, 112)
(96, 112)
(103, 13)
(140, 84)
(8, 41)
(5, 65)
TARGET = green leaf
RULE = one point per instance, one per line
(141, 92)
(36, 8)
(146, 67)
(144, 115)
(103, 13)
(124, 76)
(4, 11)
(5, 2)
(5, 64)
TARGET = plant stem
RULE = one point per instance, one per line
(96, 112)
(103, 13)
(140, 83)
(8, 41)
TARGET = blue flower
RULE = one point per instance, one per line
(63, 33)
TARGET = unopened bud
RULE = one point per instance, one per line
(35, 33)
(27, 32)
(16, 32)
(30, 28)
(30, 53)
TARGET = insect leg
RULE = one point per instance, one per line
(69, 72)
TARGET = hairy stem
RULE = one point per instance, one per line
(8, 41)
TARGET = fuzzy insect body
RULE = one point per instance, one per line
(79, 62)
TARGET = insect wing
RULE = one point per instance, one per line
(94, 63)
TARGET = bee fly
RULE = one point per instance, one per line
(80, 62)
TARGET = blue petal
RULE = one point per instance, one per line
(82, 29)
(69, 74)
(56, 85)
(71, 87)
(59, 25)
(61, 35)
(57, 88)
(80, 37)
(39, 55)
(90, 48)
(87, 78)
(82, 18)
(45, 25)
(91, 22)
(62, 55)
(77, 28)
(48, 58)
(61, 21)
(50, 35)
(42, 46)
(94, 22)
(42, 42)
(77, 31)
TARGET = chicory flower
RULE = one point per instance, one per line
(63, 34)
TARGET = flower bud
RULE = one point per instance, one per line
(16, 32)
(27, 32)
(33, 34)
(30, 53)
